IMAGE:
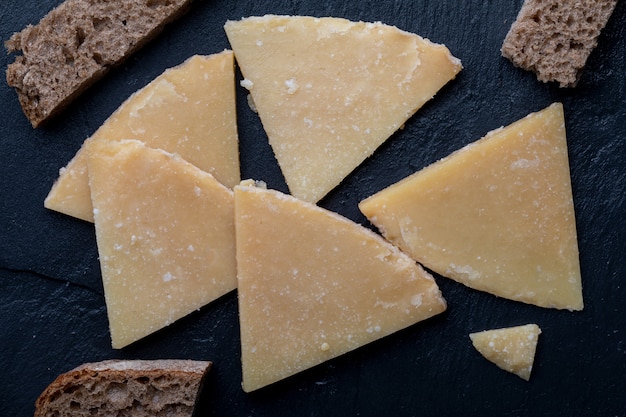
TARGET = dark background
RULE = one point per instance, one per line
(52, 311)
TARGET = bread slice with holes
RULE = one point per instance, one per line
(138, 388)
(554, 38)
(76, 44)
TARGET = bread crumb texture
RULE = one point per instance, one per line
(554, 38)
(75, 44)
(124, 388)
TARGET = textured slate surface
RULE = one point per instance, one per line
(52, 313)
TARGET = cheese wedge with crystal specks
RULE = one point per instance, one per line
(512, 348)
(497, 215)
(330, 91)
(314, 285)
(165, 233)
(188, 110)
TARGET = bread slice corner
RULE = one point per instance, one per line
(554, 38)
(125, 387)
(75, 44)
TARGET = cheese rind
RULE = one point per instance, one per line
(165, 233)
(188, 110)
(512, 348)
(313, 285)
(330, 91)
(497, 215)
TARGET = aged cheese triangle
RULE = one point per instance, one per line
(497, 215)
(330, 91)
(512, 348)
(188, 110)
(165, 233)
(314, 285)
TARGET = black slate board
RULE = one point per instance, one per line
(52, 312)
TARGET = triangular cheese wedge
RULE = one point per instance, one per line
(188, 110)
(330, 91)
(314, 285)
(497, 215)
(512, 348)
(165, 234)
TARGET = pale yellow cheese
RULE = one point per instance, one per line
(330, 91)
(165, 233)
(497, 215)
(314, 285)
(189, 110)
(512, 348)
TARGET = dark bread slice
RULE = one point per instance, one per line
(75, 44)
(138, 388)
(553, 38)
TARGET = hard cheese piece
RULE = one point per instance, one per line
(497, 216)
(512, 348)
(330, 91)
(314, 285)
(189, 110)
(165, 234)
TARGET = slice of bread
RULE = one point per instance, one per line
(141, 388)
(75, 44)
(553, 38)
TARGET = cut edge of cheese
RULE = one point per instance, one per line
(314, 285)
(330, 91)
(511, 349)
(189, 110)
(165, 234)
(496, 216)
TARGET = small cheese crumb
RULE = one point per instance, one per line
(325, 346)
(373, 329)
(523, 163)
(251, 104)
(292, 85)
(416, 300)
(247, 84)
(464, 270)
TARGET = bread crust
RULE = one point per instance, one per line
(553, 38)
(125, 387)
(75, 44)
